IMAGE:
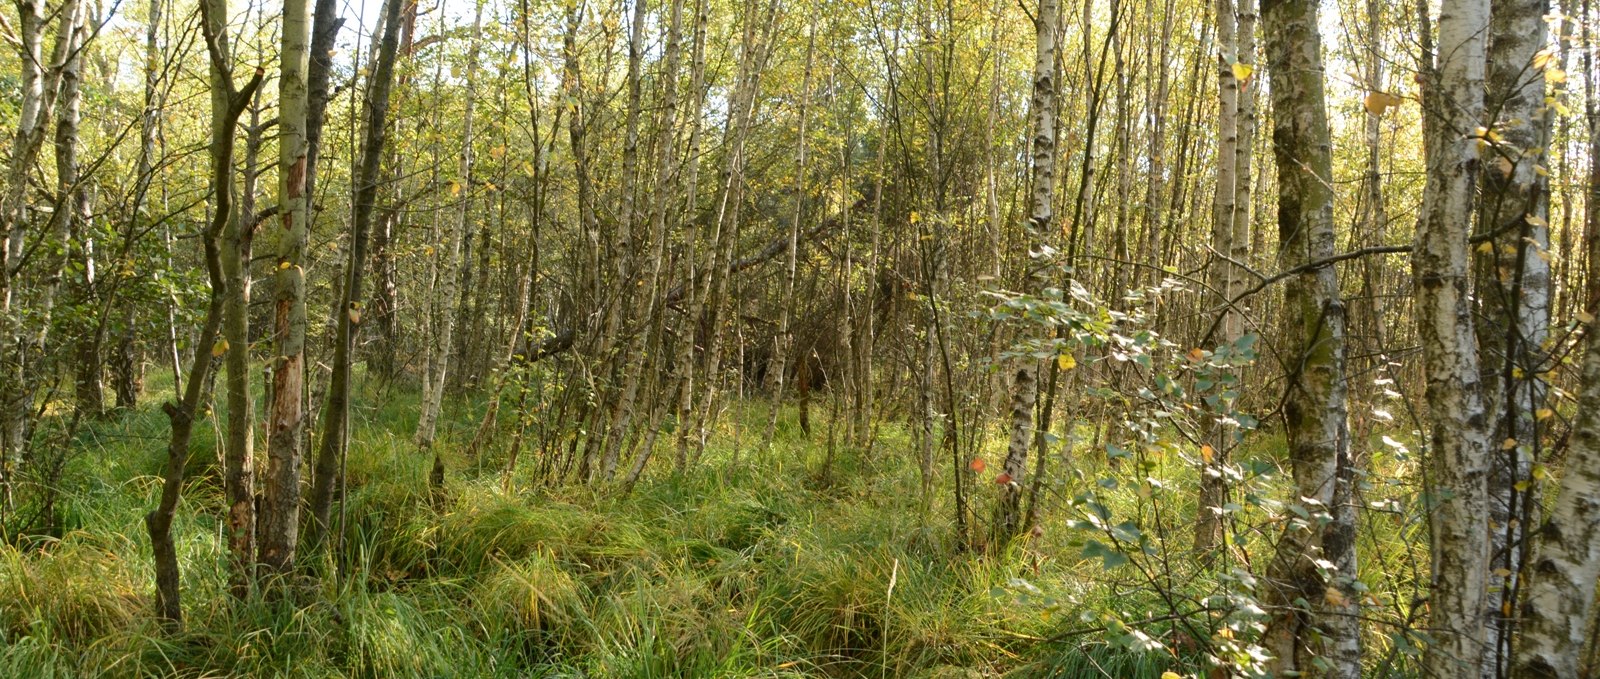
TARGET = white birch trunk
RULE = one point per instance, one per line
(1458, 446)
(1024, 387)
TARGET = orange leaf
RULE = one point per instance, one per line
(978, 464)
(1003, 479)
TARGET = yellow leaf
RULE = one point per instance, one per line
(1555, 76)
(497, 152)
(1544, 59)
(1334, 597)
(1374, 104)
(455, 188)
(1066, 362)
(1508, 444)
(1169, 674)
(283, 265)
(1504, 165)
(220, 348)
(1540, 472)
(1207, 453)
(1242, 71)
(1486, 248)
(1378, 102)
(1544, 414)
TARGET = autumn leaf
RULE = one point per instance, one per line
(1242, 71)
(220, 348)
(1377, 103)
(977, 464)
(1002, 479)
(1066, 362)
(1334, 597)
(1207, 453)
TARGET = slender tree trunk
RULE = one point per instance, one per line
(335, 414)
(39, 87)
(627, 361)
(688, 339)
(71, 218)
(1219, 438)
(226, 106)
(1325, 626)
(449, 272)
(158, 522)
(667, 163)
(238, 448)
(756, 43)
(280, 507)
(1458, 447)
(1561, 577)
(1513, 293)
(783, 342)
(1008, 518)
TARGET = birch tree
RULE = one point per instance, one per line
(286, 417)
(228, 102)
(335, 415)
(1042, 180)
(1226, 275)
(1310, 581)
(1561, 577)
(783, 341)
(447, 286)
(39, 87)
(1452, 76)
(1513, 289)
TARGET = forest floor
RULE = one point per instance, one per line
(749, 569)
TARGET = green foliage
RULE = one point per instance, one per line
(731, 570)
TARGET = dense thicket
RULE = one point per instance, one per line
(1131, 337)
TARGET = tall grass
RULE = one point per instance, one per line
(748, 570)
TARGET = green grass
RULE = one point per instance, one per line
(748, 570)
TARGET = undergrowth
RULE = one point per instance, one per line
(728, 570)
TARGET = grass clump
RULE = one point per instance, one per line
(760, 568)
